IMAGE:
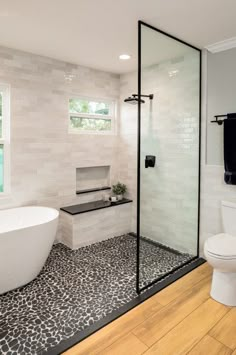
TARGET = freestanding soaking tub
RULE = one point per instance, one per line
(26, 238)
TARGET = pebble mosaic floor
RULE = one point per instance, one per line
(76, 289)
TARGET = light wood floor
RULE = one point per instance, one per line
(181, 319)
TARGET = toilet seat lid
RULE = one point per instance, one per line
(222, 245)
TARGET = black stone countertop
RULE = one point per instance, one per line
(93, 206)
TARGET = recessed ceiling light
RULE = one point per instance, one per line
(124, 56)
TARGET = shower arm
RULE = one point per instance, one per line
(150, 96)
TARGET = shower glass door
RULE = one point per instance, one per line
(168, 154)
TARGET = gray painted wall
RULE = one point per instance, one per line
(221, 92)
(219, 97)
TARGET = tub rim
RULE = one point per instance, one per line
(30, 224)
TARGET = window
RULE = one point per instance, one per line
(91, 116)
(4, 138)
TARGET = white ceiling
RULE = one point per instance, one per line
(95, 32)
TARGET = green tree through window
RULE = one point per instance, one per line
(90, 115)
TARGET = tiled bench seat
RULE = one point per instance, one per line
(95, 221)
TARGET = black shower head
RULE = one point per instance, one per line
(133, 100)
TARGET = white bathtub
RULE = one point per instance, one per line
(26, 238)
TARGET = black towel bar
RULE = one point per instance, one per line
(220, 121)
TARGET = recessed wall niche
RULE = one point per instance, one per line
(92, 178)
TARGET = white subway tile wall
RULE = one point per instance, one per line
(44, 157)
(170, 130)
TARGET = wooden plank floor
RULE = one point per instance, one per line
(181, 319)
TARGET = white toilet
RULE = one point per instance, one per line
(220, 252)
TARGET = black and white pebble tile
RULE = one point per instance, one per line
(76, 289)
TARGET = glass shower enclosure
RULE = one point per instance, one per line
(169, 92)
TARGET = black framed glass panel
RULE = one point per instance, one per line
(169, 83)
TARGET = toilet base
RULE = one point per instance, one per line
(223, 288)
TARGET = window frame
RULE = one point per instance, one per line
(112, 116)
(5, 139)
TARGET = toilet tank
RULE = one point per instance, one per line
(229, 217)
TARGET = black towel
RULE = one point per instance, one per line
(231, 115)
(230, 148)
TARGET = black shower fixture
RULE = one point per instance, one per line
(150, 161)
(135, 99)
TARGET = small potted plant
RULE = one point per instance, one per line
(119, 190)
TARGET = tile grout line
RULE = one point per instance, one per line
(178, 323)
(107, 347)
(187, 290)
(121, 336)
(163, 307)
(230, 309)
(210, 335)
(208, 330)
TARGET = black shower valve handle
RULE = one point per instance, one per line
(150, 161)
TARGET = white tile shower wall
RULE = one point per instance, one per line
(92, 177)
(170, 131)
(44, 157)
(127, 147)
